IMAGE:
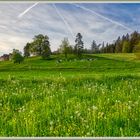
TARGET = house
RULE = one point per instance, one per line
(4, 57)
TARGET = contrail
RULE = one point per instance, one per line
(27, 10)
(101, 16)
(65, 22)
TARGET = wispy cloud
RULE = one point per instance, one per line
(27, 10)
(105, 23)
(64, 20)
(99, 15)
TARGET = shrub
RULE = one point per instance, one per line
(17, 56)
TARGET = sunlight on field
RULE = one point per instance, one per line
(119, 56)
(76, 98)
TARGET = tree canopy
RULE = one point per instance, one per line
(79, 45)
(17, 56)
(40, 46)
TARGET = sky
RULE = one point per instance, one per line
(20, 22)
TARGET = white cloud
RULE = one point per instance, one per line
(16, 32)
(9, 42)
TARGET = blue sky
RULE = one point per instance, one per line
(19, 22)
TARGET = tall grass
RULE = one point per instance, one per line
(76, 106)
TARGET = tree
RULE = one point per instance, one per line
(79, 45)
(41, 46)
(27, 50)
(105, 49)
(95, 47)
(110, 48)
(126, 47)
(127, 37)
(71, 49)
(65, 48)
(45, 48)
(134, 40)
(17, 56)
(118, 45)
(126, 44)
(37, 44)
(137, 50)
(102, 48)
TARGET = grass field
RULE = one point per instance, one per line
(72, 98)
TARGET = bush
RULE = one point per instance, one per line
(17, 56)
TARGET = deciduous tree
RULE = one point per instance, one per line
(17, 56)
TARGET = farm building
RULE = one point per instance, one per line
(5, 57)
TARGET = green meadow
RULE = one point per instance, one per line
(98, 95)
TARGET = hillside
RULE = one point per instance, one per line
(97, 64)
(99, 96)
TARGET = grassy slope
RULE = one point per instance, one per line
(103, 64)
(77, 98)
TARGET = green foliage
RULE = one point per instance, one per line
(27, 50)
(37, 44)
(79, 45)
(39, 47)
(118, 47)
(126, 47)
(134, 40)
(137, 50)
(94, 47)
(17, 56)
(46, 51)
(125, 44)
(65, 47)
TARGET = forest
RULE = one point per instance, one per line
(40, 46)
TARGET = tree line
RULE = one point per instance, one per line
(125, 44)
(40, 46)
